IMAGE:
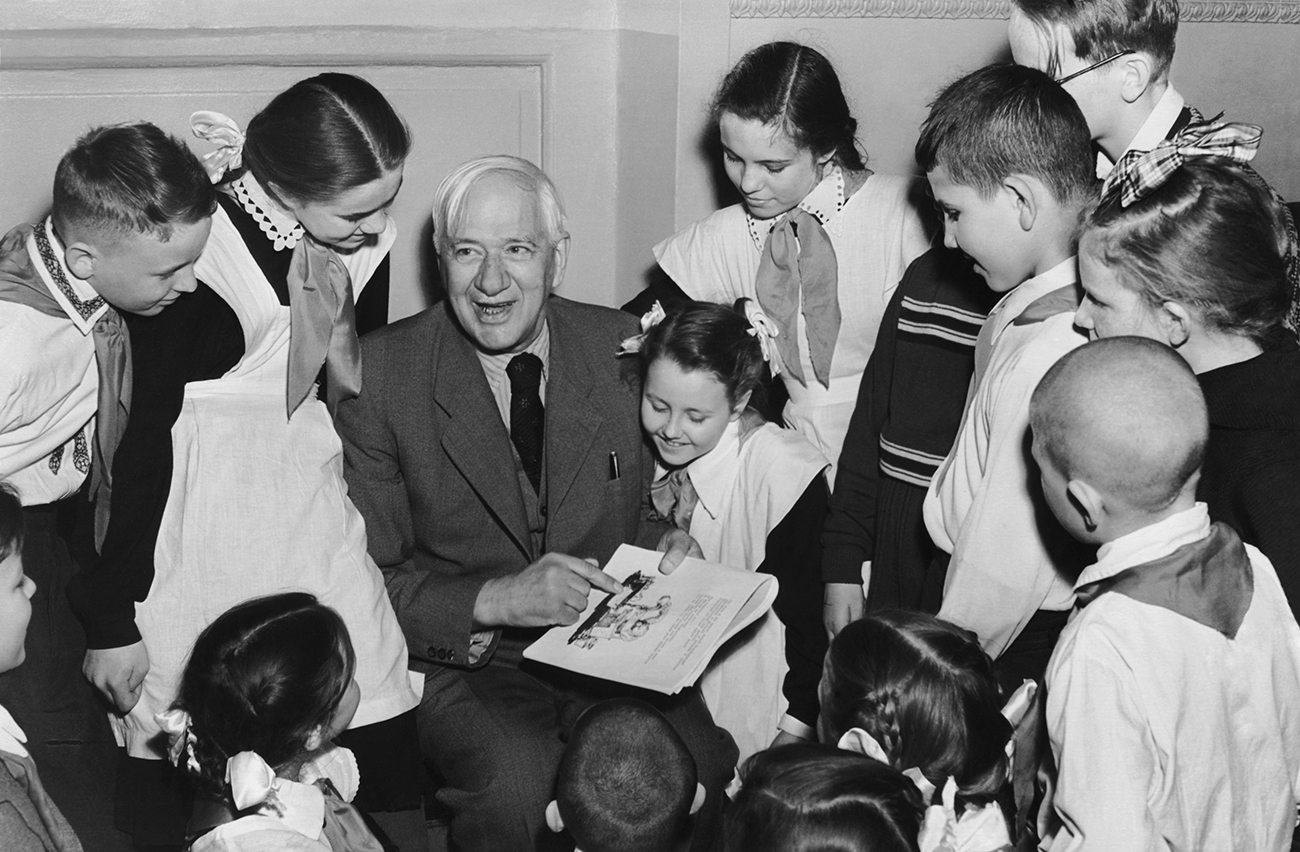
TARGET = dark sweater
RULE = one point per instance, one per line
(1251, 476)
(910, 402)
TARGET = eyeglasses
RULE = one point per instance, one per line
(1094, 66)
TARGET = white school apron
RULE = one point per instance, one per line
(258, 505)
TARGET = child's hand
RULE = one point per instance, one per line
(844, 604)
(676, 545)
(118, 673)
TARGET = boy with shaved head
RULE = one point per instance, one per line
(1173, 697)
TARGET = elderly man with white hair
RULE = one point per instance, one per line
(497, 457)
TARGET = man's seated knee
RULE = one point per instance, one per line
(626, 783)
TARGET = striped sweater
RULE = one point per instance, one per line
(910, 402)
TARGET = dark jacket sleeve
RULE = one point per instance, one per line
(196, 338)
(849, 534)
(793, 554)
(1268, 504)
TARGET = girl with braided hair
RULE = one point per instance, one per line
(921, 695)
(267, 687)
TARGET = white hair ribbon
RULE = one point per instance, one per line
(222, 131)
(253, 783)
(766, 330)
(251, 779)
(649, 320)
(175, 723)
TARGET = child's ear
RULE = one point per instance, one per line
(1087, 501)
(316, 738)
(554, 821)
(1027, 195)
(698, 801)
(80, 259)
(742, 402)
(1176, 321)
(1135, 70)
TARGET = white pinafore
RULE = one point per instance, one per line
(258, 505)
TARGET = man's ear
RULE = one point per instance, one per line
(1135, 75)
(561, 261)
(80, 259)
(1176, 321)
(1027, 194)
(554, 821)
(1088, 502)
(698, 801)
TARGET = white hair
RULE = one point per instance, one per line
(450, 199)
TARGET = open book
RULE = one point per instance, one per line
(661, 630)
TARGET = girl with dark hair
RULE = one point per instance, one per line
(230, 471)
(916, 692)
(266, 689)
(818, 240)
(752, 494)
(810, 797)
(1197, 261)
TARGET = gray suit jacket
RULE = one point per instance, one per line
(429, 463)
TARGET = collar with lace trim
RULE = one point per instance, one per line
(77, 298)
(825, 201)
(280, 227)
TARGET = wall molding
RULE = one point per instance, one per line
(1190, 11)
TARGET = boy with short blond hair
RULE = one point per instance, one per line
(1173, 697)
(1006, 151)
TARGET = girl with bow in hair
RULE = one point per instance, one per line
(232, 466)
(818, 240)
(752, 494)
(1189, 247)
(268, 686)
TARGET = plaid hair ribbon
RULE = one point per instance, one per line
(1138, 173)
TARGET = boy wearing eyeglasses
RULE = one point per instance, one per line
(1113, 56)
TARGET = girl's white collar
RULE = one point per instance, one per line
(279, 225)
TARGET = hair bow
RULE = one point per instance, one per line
(649, 320)
(1139, 173)
(221, 130)
(762, 327)
(175, 723)
(253, 783)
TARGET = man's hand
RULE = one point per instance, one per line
(553, 590)
(676, 545)
(843, 604)
(118, 673)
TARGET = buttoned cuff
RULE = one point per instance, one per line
(795, 728)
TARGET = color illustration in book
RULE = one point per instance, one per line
(629, 619)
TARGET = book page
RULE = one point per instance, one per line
(661, 630)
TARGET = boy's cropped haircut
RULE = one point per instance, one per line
(1102, 28)
(1005, 120)
(626, 781)
(130, 179)
(11, 521)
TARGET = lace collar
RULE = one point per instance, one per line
(79, 300)
(280, 228)
(825, 201)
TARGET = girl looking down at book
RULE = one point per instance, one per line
(752, 494)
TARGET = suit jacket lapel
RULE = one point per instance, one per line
(475, 438)
(572, 417)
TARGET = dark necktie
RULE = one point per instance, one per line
(527, 418)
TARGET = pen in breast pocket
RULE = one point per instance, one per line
(613, 467)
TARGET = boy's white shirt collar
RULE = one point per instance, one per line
(1014, 303)
(89, 305)
(1152, 132)
(1148, 544)
(11, 736)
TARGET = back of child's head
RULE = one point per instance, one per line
(1210, 237)
(795, 89)
(926, 692)
(12, 524)
(1102, 28)
(814, 797)
(1126, 415)
(1005, 120)
(715, 339)
(626, 780)
(323, 136)
(129, 179)
(263, 677)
